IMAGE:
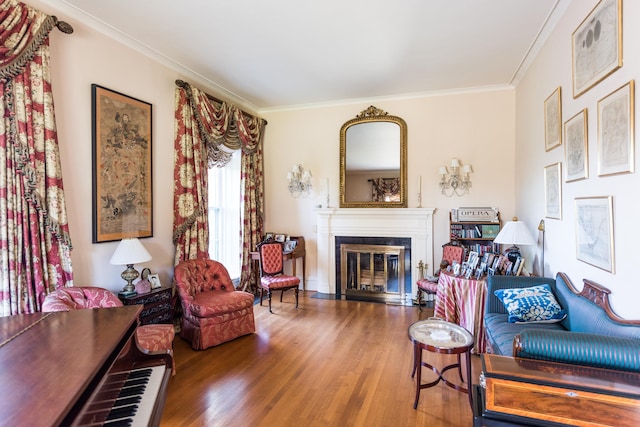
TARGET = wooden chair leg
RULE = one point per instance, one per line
(269, 294)
(296, 291)
(261, 295)
(281, 294)
(420, 299)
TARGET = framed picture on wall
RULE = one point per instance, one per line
(553, 191)
(553, 120)
(594, 231)
(597, 46)
(616, 138)
(576, 154)
(122, 186)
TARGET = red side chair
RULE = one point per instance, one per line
(150, 339)
(213, 311)
(450, 252)
(272, 277)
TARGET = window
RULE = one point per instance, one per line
(224, 215)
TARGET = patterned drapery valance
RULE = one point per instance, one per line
(22, 31)
(224, 127)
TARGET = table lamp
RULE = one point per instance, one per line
(129, 252)
(514, 233)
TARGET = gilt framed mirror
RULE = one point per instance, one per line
(373, 161)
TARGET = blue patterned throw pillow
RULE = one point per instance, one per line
(534, 304)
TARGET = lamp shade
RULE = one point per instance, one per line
(130, 251)
(514, 233)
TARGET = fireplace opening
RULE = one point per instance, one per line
(376, 269)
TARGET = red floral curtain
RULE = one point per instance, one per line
(385, 189)
(34, 234)
(205, 135)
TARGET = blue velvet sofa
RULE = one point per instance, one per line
(591, 333)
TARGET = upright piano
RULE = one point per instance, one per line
(79, 368)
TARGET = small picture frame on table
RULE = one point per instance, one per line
(280, 238)
(290, 245)
(155, 281)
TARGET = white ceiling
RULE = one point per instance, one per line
(289, 53)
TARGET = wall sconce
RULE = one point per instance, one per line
(456, 183)
(299, 181)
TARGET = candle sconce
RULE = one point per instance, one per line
(457, 182)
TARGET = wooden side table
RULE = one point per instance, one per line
(157, 305)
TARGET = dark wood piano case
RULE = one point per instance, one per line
(535, 392)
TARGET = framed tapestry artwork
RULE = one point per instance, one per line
(576, 154)
(596, 46)
(594, 231)
(553, 120)
(616, 138)
(553, 191)
(122, 187)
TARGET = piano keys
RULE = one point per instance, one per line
(56, 366)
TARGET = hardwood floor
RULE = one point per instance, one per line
(328, 363)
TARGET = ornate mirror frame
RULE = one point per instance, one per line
(373, 115)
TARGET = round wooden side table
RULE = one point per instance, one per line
(439, 336)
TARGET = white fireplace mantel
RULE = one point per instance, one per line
(415, 223)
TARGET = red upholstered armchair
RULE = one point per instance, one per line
(450, 252)
(149, 338)
(213, 311)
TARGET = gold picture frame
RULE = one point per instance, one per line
(616, 134)
(122, 172)
(576, 152)
(594, 231)
(596, 46)
(553, 120)
(553, 191)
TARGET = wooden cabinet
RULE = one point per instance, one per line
(475, 236)
(158, 307)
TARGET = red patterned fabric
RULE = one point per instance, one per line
(213, 311)
(34, 234)
(73, 298)
(149, 338)
(201, 129)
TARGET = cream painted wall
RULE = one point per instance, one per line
(477, 128)
(552, 68)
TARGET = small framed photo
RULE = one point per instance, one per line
(553, 120)
(553, 191)
(290, 245)
(473, 259)
(268, 236)
(468, 273)
(576, 154)
(456, 269)
(155, 281)
(479, 273)
(616, 131)
(280, 238)
(490, 272)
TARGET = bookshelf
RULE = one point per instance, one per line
(475, 236)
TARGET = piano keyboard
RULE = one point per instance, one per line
(125, 399)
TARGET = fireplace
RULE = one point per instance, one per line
(410, 228)
(373, 268)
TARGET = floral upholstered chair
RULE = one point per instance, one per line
(272, 277)
(213, 311)
(149, 338)
(450, 252)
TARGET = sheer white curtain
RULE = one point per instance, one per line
(225, 215)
